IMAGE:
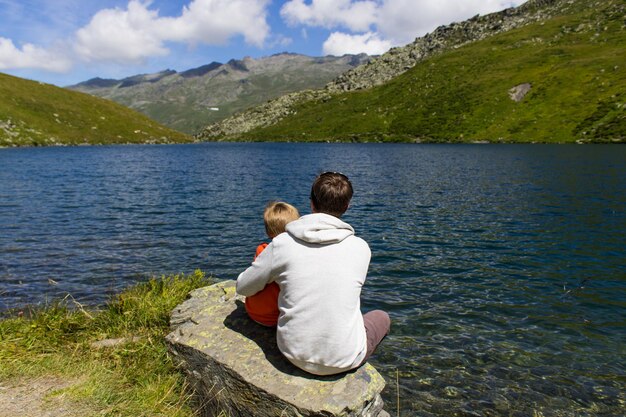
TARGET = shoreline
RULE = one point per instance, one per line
(414, 142)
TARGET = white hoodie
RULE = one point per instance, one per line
(320, 267)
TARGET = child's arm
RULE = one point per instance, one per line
(260, 249)
(257, 276)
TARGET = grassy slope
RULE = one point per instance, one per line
(132, 379)
(575, 64)
(37, 114)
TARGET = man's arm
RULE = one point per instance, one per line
(258, 275)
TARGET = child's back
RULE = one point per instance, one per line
(262, 307)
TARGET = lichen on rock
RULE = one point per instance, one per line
(235, 367)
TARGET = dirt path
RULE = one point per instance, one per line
(41, 397)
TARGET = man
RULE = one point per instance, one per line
(320, 267)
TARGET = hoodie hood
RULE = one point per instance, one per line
(319, 228)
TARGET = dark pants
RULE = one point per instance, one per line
(377, 325)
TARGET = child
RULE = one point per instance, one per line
(262, 307)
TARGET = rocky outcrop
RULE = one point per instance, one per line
(266, 114)
(235, 368)
(518, 92)
(389, 65)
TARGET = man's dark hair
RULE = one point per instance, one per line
(331, 193)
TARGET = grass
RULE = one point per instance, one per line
(38, 114)
(137, 378)
(574, 62)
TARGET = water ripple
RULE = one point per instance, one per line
(502, 266)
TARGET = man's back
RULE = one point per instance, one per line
(321, 268)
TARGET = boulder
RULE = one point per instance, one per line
(518, 92)
(235, 367)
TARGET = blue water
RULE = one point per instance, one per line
(503, 267)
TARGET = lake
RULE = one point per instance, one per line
(502, 266)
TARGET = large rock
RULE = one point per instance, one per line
(235, 367)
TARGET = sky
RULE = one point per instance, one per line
(64, 42)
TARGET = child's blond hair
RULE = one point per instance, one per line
(276, 216)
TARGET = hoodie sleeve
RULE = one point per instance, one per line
(258, 275)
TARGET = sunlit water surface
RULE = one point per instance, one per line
(503, 267)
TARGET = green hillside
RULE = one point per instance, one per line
(575, 65)
(37, 114)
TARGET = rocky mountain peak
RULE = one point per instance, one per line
(200, 71)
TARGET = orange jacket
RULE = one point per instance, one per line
(262, 307)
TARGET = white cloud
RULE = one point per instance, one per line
(343, 43)
(280, 40)
(30, 56)
(375, 23)
(121, 35)
(353, 15)
(139, 32)
(404, 20)
(215, 21)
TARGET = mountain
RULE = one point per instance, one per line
(189, 100)
(38, 114)
(547, 71)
